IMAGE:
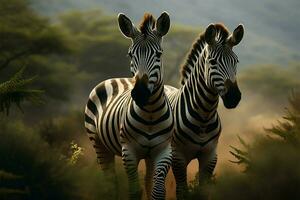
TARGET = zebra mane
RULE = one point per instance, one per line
(147, 24)
(197, 48)
(222, 33)
(191, 58)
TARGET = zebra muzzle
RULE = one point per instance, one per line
(140, 93)
(233, 95)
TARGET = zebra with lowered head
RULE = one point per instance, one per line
(131, 117)
(209, 72)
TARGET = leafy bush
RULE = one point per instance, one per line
(24, 153)
(49, 169)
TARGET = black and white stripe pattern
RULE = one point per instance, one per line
(131, 117)
(209, 72)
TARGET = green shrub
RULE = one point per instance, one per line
(49, 171)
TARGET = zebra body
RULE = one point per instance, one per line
(208, 73)
(106, 106)
(131, 117)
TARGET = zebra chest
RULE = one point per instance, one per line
(148, 123)
(200, 128)
(147, 128)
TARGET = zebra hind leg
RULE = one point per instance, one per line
(106, 160)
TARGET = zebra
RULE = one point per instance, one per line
(208, 72)
(131, 117)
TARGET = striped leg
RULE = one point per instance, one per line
(130, 162)
(149, 177)
(179, 167)
(106, 160)
(207, 165)
(161, 167)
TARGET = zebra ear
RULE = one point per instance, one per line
(163, 24)
(236, 36)
(210, 34)
(126, 26)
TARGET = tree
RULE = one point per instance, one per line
(23, 34)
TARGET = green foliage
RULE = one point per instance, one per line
(289, 130)
(59, 132)
(14, 91)
(97, 40)
(12, 186)
(24, 153)
(44, 171)
(76, 153)
(242, 156)
(23, 34)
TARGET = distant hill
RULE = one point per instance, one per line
(272, 26)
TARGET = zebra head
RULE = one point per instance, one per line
(145, 53)
(221, 62)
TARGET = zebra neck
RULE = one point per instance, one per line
(202, 99)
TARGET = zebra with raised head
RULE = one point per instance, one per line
(209, 72)
(131, 117)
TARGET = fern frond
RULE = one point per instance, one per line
(14, 91)
(241, 156)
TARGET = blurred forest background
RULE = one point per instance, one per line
(52, 53)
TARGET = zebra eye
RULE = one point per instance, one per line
(132, 70)
(213, 62)
(158, 54)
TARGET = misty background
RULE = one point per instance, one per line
(71, 45)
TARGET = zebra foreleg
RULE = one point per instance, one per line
(149, 177)
(130, 162)
(162, 165)
(206, 170)
(179, 167)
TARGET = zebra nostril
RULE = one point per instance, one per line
(144, 79)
